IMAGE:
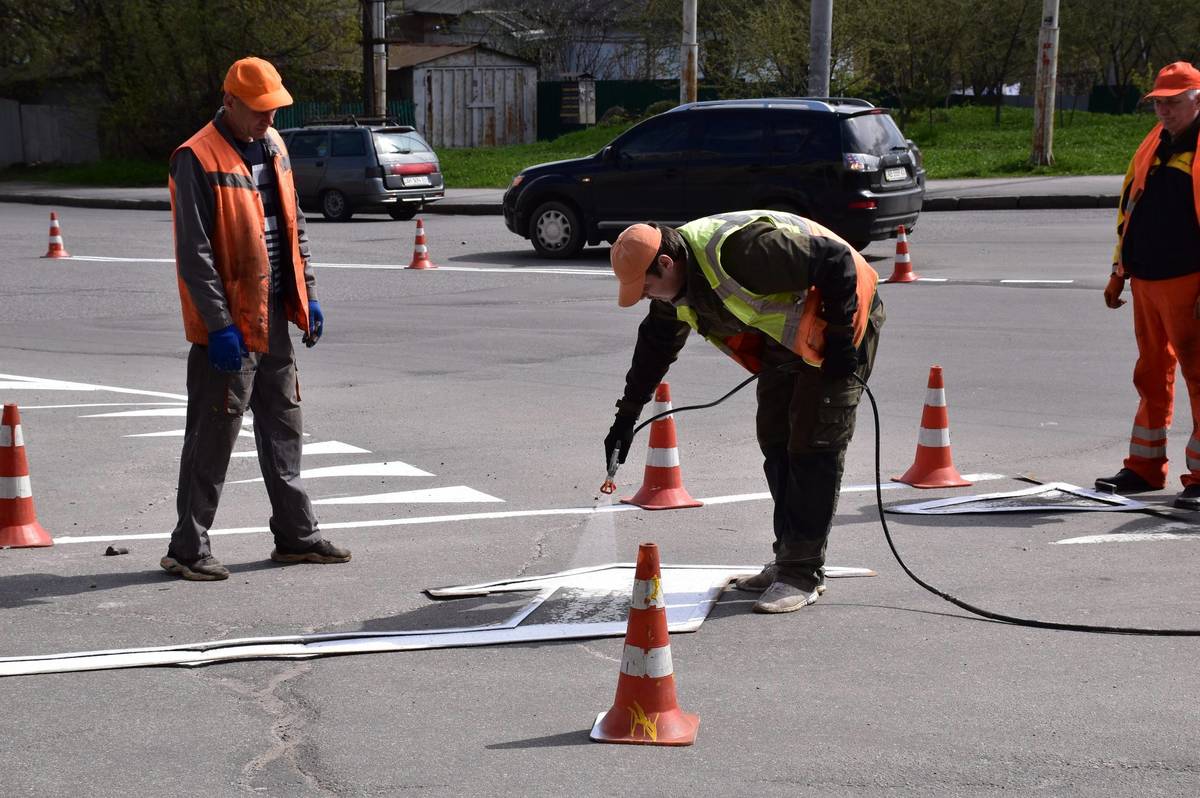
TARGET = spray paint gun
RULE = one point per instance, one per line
(613, 462)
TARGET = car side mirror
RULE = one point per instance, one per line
(609, 154)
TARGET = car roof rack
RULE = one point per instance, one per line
(353, 120)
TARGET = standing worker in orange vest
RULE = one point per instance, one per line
(790, 301)
(241, 253)
(1158, 249)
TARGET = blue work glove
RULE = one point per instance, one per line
(316, 324)
(841, 356)
(226, 348)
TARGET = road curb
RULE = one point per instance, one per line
(106, 203)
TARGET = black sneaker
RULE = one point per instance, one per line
(205, 569)
(323, 551)
(1189, 499)
(1124, 482)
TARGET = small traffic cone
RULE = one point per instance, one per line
(19, 527)
(902, 272)
(646, 710)
(56, 249)
(662, 484)
(420, 258)
(933, 466)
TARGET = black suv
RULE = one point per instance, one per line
(839, 161)
(361, 164)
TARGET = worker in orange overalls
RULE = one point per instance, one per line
(1158, 250)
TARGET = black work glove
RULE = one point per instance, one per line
(841, 356)
(619, 435)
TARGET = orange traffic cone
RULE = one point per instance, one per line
(902, 272)
(19, 527)
(420, 258)
(662, 484)
(646, 710)
(933, 467)
(56, 249)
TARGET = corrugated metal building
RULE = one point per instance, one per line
(466, 95)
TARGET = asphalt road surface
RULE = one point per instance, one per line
(488, 386)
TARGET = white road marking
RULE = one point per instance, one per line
(496, 515)
(324, 447)
(392, 468)
(1191, 533)
(456, 494)
(91, 404)
(39, 384)
(174, 412)
(177, 433)
(1025, 282)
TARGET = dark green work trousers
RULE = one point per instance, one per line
(805, 421)
(267, 385)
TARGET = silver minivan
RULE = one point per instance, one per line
(362, 165)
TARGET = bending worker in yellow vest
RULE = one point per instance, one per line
(242, 259)
(788, 299)
(1158, 249)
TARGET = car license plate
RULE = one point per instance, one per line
(420, 180)
(895, 173)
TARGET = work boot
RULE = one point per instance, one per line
(1189, 499)
(764, 579)
(782, 597)
(323, 551)
(205, 569)
(1125, 482)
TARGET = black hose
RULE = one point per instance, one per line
(887, 533)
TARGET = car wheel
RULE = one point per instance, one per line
(405, 211)
(334, 206)
(556, 231)
(860, 244)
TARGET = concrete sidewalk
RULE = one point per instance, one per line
(1025, 193)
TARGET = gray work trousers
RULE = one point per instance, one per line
(267, 384)
(805, 422)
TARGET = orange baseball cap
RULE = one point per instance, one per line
(256, 83)
(631, 256)
(1175, 79)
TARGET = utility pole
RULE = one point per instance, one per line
(820, 36)
(1047, 77)
(689, 54)
(368, 36)
(381, 69)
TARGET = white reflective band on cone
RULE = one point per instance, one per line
(663, 458)
(420, 249)
(660, 407)
(11, 436)
(935, 397)
(15, 488)
(655, 662)
(903, 258)
(648, 593)
(933, 438)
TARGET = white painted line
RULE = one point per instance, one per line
(40, 384)
(456, 494)
(92, 404)
(176, 433)
(441, 519)
(173, 412)
(514, 270)
(1053, 282)
(324, 447)
(103, 259)
(1137, 537)
(933, 279)
(392, 468)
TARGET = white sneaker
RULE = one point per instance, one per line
(782, 597)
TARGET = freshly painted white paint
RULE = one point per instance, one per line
(391, 468)
(455, 494)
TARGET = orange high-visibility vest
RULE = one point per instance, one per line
(238, 239)
(1135, 184)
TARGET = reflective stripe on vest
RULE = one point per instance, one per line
(791, 318)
